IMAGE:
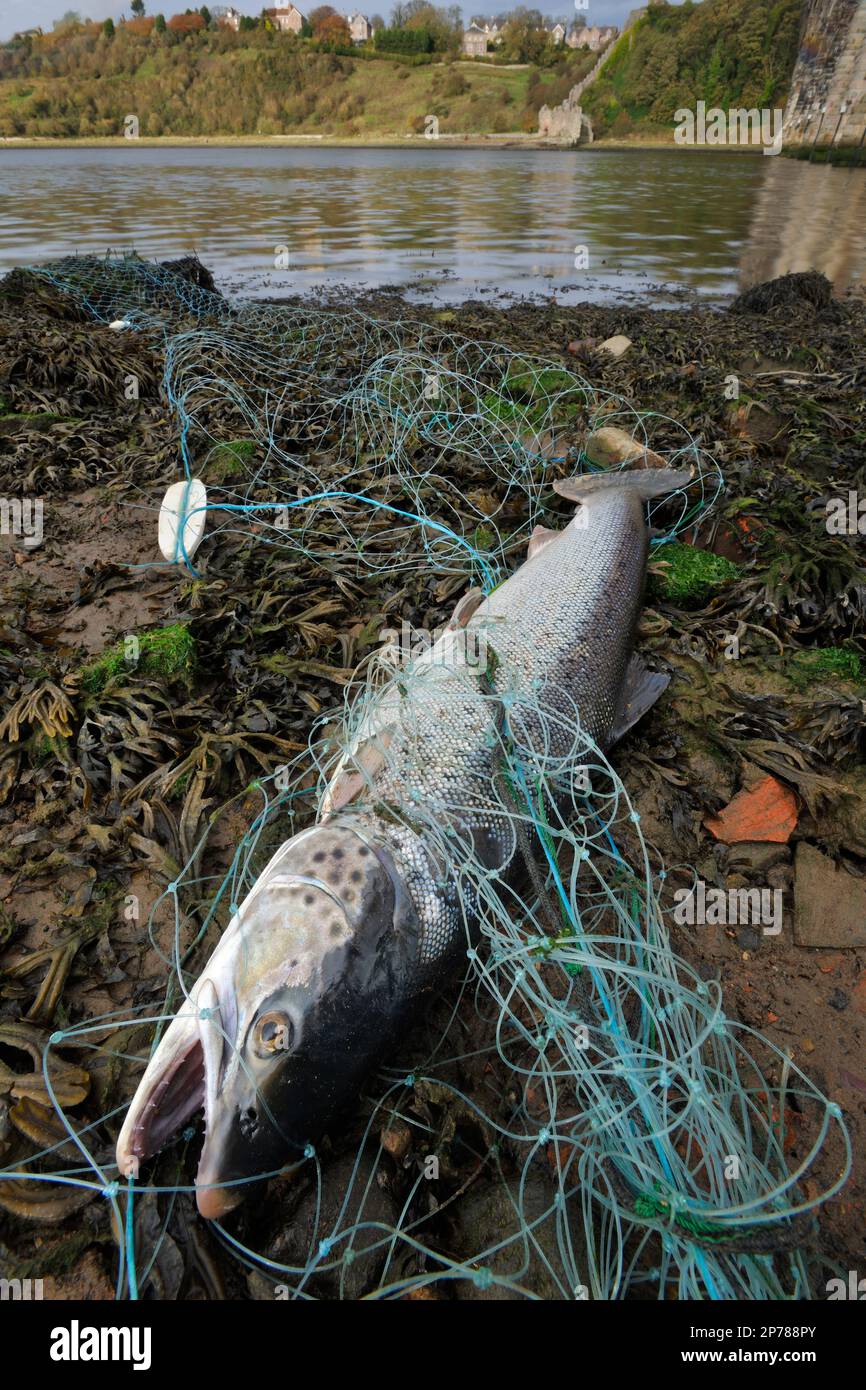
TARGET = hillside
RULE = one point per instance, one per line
(724, 52)
(221, 83)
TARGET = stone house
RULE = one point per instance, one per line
(360, 28)
(592, 36)
(478, 36)
(288, 21)
(475, 41)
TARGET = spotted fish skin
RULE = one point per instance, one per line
(561, 633)
(323, 963)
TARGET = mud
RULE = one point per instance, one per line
(104, 793)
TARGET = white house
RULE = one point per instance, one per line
(360, 28)
(227, 15)
(557, 33)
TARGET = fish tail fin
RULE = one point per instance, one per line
(644, 483)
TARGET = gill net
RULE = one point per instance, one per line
(652, 1124)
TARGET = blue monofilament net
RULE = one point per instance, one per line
(658, 1122)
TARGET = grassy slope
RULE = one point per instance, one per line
(249, 84)
(726, 52)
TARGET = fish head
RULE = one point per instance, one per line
(298, 1000)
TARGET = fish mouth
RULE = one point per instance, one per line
(180, 1080)
(173, 1100)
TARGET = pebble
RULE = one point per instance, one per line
(610, 446)
(616, 346)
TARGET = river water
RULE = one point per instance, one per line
(589, 224)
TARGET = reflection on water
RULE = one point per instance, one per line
(808, 217)
(458, 221)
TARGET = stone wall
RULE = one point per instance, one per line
(827, 105)
(566, 121)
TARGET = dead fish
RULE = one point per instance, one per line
(354, 919)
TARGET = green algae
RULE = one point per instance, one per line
(691, 575)
(167, 653)
(825, 664)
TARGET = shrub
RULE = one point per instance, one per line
(404, 41)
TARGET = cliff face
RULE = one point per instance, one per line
(827, 104)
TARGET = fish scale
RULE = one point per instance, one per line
(322, 964)
(561, 629)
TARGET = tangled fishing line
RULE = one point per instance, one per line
(650, 1110)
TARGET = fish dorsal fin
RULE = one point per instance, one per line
(641, 688)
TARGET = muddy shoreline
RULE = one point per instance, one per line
(88, 819)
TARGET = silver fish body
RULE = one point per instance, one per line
(323, 964)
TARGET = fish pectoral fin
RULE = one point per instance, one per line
(541, 536)
(356, 772)
(641, 688)
(465, 608)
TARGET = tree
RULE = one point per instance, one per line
(319, 15)
(445, 27)
(159, 24)
(377, 22)
(108, 28)
(525, 37)
(332, 29)
(137, 7)
(206, 16)
(396, 40)
(188, 23)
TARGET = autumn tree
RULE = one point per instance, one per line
(319, 15)
(186, 23)
(332, 29)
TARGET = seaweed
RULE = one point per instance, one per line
(110, 769)
(685, 575)
(167, 653)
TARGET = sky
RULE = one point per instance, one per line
(26, 14)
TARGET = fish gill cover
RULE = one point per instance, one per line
(609, 1060)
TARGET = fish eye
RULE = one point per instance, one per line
(273, 1033)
